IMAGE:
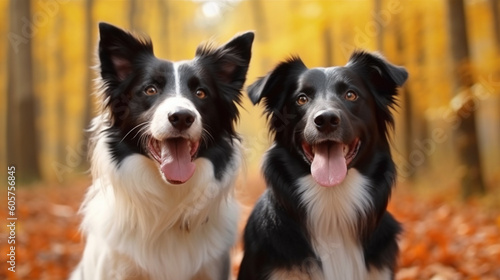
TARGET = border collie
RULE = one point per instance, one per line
(329, 173)
(165, 157)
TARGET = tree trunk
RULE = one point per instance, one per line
(328, 43)
(406, 98)
(165, 27)
(260, 19)
(89, 27)
(465, 133)
(496, 22)
(60, 108)
(380, 28)
(22, 144)
(135, 15)
(496, 30)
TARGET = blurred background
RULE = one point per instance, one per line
(448, 121)
(447, 135)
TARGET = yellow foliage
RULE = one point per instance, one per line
(411, 33)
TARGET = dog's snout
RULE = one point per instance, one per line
(327, 120)
(182, 119)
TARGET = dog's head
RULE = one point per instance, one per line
(170, 111)
(333, 118)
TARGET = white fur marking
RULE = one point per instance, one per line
(161, 128)
(308, 271)
(292, 274)
(375, 274)
(140, 227)
(177, 78)
(332, 218)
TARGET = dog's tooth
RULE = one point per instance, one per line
(346, 150)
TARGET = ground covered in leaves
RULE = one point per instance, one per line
(443, 239)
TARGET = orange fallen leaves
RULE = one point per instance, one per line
(48, 244)
(441, 240)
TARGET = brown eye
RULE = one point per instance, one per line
(351, 96)
(302, 99)
(150, 90)
(201, 94)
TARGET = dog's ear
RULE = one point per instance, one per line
(228, 64)
(118, 51)
(276, 84)
(382, 77)
(230, 61)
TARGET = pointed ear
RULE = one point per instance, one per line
(229, 61)
(382, 75)
(118, 50)
(276, 84)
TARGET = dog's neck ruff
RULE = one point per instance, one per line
(333, 215)
(136, 181)
(134, 211)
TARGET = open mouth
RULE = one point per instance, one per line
(330, 160)
(175, 156)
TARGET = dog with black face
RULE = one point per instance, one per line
(165, 157)
(329, 173)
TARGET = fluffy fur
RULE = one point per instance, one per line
(143, 217)
(329, 173)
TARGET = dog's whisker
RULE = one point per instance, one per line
(207, 137)
(130, 131)
(141, 130)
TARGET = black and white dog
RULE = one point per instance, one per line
(329, 173)
(165, 156)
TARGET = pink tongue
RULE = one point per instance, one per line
(329, 167)
(176, 162)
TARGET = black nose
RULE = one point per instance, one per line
(327, 120)
(181, 119)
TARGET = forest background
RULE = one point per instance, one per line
(446, 139)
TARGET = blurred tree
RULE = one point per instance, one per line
(89, 28)
(465, 133)
(380, 28)
(135, 12)
(415, 125)
(22, 144)
(406, 98)
(60, 110)
(496, 30)
(328, 43)
(260, 19)
(164, 23)
(496, 22)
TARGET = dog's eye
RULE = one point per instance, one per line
(351, 96)
(302, 99)
(150, 90)
(201, 94)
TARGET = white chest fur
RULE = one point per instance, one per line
(137, 224)
(333, 214)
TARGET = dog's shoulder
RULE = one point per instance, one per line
(274, 238)
(381, 248)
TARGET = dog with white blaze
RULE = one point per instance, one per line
(164, 157)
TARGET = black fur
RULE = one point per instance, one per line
(277, 235)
